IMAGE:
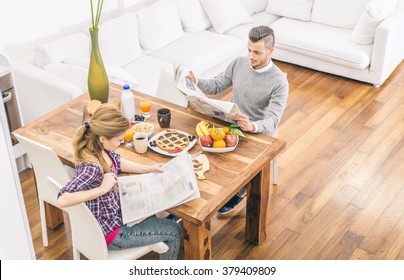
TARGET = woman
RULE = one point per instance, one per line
(97, 166)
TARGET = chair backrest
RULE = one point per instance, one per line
(45, 163)
(167, 89)
(87, 236)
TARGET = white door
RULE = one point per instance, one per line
(15, 235)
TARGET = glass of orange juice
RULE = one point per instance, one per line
(145, 107)
(129, 138)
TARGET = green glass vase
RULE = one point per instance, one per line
(98, 85)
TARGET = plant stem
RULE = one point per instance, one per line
(92, 13)
(99, 9)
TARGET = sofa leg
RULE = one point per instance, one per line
(376, 86)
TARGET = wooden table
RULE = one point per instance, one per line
(229, 172)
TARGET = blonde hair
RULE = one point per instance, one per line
(106, 121)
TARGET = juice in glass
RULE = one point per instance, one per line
(145, 106)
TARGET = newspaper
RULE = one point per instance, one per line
(219, 109)
(144, 195)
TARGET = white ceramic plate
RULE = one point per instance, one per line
(219, 150)
(143, 127)
(170, 154)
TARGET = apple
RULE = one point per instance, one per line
(206, 141)
(230, 139)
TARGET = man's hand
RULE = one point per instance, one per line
(192, 77)
(244, 123)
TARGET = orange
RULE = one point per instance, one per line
(219, 144)
(129, 135)
(217, 134)
(226, 129)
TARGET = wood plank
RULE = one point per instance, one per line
(197, 241)
(257, 203)
(314, 231)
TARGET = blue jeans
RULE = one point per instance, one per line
(149, 231)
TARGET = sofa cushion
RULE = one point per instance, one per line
(76, 71)
(241, 31)
(118, 40)
(254, 6)
(201, 50)
(225, 14)
(76, 45)
(297, 9)
(342, 13)
(159, 24)
(146, 70)
(328, 43)
(375, 12)
(73, 73)
(193, 16)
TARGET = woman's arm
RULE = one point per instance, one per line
(134, 167)
(73, 198)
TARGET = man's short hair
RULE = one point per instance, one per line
(262, 33)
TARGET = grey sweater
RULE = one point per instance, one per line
(260, 96)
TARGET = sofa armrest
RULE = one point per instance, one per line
(38, 91)
(388, 49)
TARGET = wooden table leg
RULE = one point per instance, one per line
(197, 241)
(257, 207)
(54, 216)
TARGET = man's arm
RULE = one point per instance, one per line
(274, 110)
(218, 84)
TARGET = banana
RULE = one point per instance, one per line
(198, 130)
(206, 124)
(202, 128)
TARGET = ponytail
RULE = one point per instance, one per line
(106, 121)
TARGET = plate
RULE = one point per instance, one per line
(170, 154)
(143, 127)
(219, 150)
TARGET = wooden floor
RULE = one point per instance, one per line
(341, 178)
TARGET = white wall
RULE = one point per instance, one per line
(25, 23)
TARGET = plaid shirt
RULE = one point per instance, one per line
(105, 208)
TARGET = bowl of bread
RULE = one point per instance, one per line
(143, 127)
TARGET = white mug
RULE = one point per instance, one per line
(140, 140)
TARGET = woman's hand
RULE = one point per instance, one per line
(108, 182)
(157, 168)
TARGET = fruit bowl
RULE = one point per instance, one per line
(143, 127)
(218, 150)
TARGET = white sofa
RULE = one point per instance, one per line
(350, 38)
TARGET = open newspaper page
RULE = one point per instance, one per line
(223, 110)
(147, 194)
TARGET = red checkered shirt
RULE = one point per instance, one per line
(105, 208)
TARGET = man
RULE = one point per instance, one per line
(260, 89)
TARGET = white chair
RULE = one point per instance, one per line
(275, 170)
(45, 162)
(88, 239)
(275, 165)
